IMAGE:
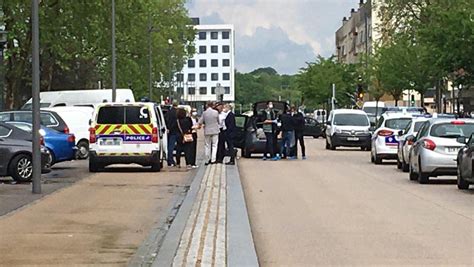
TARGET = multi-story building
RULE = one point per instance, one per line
(358, 33)
(211, 69)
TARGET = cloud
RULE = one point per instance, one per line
(304, 23)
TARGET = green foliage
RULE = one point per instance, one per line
(75, 41)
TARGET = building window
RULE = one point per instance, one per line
(180, 90)
(203, 90)
(226, 76)
(225, 62)
(214, 63)
(179, 77)
(214, 76)
(213, 90)
(227, 90)
(214, 49)
(202, 49)
(225, 49)
(191, 90)
(203, 77)
(202, 63)
(225, 35)
(214, 35)
(191, 77)
(191, 63)
(202, 35)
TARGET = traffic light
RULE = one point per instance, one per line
(412, 100)
(360, 92)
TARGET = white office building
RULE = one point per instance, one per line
(211, 66)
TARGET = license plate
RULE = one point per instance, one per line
(452, 149)
(111, 142)
(352, 138)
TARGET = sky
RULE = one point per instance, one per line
(283, 34)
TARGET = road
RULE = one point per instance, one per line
(336, 208)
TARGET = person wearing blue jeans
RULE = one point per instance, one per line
(172, 138)
(288, 134)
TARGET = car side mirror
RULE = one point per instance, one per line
(410, 138)
(90, 122)
(328, 123)
(372, 129)
(163, 130)
(462, 140)
(400, 133)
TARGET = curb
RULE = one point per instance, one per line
(240, 245)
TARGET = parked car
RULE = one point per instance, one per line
(465, 163)
(436, 148)
(61, 146)
(126, 133)
(77, 118)
(250, 137)
(348, 127)
(49, 119)
(385, 138)
(87, 98)
(15, 148)
(404, 147)
(313, 128)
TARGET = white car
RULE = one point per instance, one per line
(126, 133)
(77, 118)
(404, 146)
(348, 127)
(385, 138)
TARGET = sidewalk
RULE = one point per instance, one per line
(211, 227)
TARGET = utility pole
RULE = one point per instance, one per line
(333, 99)
(114, 59)
(149, 58)
(3, 41)
(36, 149)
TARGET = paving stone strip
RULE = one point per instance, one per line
(203, 242)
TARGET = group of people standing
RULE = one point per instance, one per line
(291, 125)
(219, 133)
(219, 125)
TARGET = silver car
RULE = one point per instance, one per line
(435, 148)
(404, 146)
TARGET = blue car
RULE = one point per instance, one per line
(62, 147)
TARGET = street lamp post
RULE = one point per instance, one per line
(170, 85)
(151, 29)
(3, 41)
(114, 58)
(36, 149)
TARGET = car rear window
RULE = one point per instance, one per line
(418, 125)
(46, 118)
(397, 124)
(123, 115)
(450, 130)
(351, 120)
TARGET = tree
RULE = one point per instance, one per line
(76, 47)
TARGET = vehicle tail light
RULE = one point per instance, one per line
(429, 144)
(385, 133)
(66, 130)
(92, 136)
(154, 136)
(71, 138)
(42, 140)
(458, 122)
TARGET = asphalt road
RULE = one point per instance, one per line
(336, 208)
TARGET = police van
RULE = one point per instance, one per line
(127, 133)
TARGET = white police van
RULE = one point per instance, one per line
(127, 133)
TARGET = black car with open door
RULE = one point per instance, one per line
(465, 163)
(312, 128)
(250, 137)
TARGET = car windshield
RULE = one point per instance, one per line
(397, 124)
(371, 110)
(351, 119)
(452, 130)
(123, 115)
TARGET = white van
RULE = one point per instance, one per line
(88, 98)
(348, 127)
(126, 133)
(77, 119)
(373, 110)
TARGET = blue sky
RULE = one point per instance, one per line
(277, 33)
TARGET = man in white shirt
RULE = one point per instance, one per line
(210, 120)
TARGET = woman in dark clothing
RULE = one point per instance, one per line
(185, 127)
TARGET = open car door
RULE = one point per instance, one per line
(241, 122)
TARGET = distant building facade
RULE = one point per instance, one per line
(212, 65)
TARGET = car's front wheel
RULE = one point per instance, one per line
(21, 168)
(462, 184)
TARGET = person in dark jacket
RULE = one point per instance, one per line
(230, 132)
(173, 131)
(185, 126)
(288, 134)
(299, 137)
(268, 119)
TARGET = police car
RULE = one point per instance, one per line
(385, 138)
(126, 133)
